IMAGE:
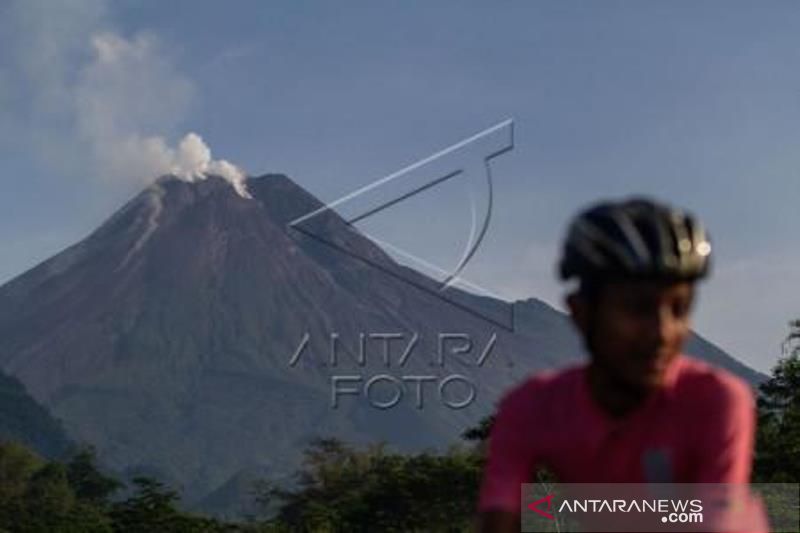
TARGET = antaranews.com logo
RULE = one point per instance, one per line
(656, 507)
(671, 510)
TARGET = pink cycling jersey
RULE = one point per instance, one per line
(697, 428)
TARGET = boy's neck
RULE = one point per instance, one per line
(617, 399)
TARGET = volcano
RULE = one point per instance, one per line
(197, 335)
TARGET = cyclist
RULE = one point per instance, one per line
(639, 411)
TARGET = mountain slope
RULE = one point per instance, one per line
(166, 337)
(23, 420)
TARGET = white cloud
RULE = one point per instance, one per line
(103, 100)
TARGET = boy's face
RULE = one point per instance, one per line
(634, 329)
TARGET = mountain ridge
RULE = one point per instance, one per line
(167, 334)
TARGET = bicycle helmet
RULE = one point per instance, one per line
(635, 238)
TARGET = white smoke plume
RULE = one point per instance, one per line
(130, 87)
(191, 161)
(96, 100)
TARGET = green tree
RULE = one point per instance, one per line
(340, 488)
(17, 467)
(39, 496)
(153, 507)
(778, 439)
(87, 482)
(35, 497)
(479, 433)
(150, 508)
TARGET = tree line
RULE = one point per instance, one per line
(339, 487)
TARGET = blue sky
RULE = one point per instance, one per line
(696, 103)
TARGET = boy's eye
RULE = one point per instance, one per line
(642, 307)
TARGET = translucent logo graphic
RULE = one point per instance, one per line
(469, 159)
(385, 390)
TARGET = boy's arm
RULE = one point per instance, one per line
(728, 435)
(728, 438)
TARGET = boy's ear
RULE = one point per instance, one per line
(579, 311)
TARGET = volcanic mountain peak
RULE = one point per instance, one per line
(165, 337)
(208, 212)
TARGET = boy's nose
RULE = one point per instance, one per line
(660, 324)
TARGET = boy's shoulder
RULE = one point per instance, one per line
(544, 384)
(704, 383)
(692, 380)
